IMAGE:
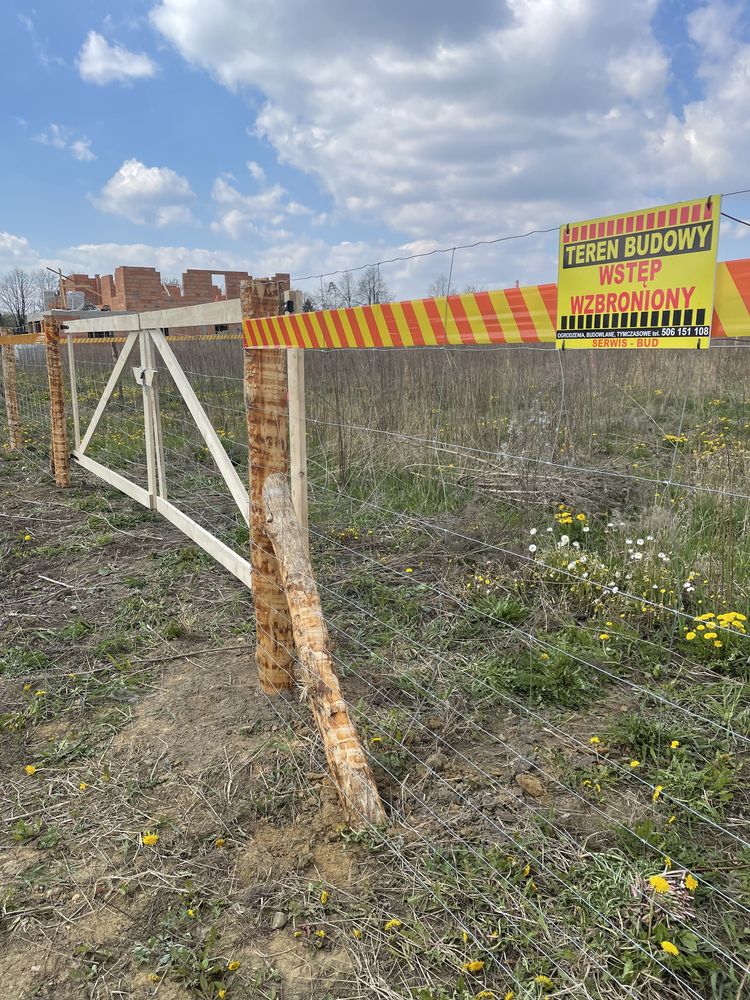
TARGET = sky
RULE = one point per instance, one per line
(307, 137)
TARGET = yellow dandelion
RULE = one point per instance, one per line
(219, 842)
(510, 995)
(31, 769)
(485, 995)
(82, 786)
(234, 965)
(544, 981)
(671, 820)
(690, 636)
(671, 949)
(657, 793)
(191, 912)
(635, 763)
(408, 570)
(526, 871)
(658, 883)
(149, 839)
(709, 635)
(392, 925)
(580, 517)
(357, 933)
(324, 897)
(221, 993)
(40, 693)
(320, 933)
(27, 538)
(604, 635)
(594, 740)
(667, 863)
(476, 966)
(27, 687)
(718, 644)
(674, 744)
(691, 883)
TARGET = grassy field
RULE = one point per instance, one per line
(534, 570)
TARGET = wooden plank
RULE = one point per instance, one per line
(108, 390)
(161, 473)
(204, 314)
(227, 557)
(298, 435)
(148, 419)
(229, 473)
(347, 760)
(113, 478)
(21, 339)
(74, 394)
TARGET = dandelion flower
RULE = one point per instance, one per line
(485, 995)
(222, 993)
(594, 740)
(674, 744)
(544, 981)
(82, 786)
(393, 924)
(604, 635)
(718, 643)
(30, 769)
(40, 693)
(671, 949)
(657, 793)
(527, 871)
(510, 995)
(635, 763)
(324, 897)
(219, 842)
(476, 966)
(691, 883)
(671, 820)
(659, 884)
(690, 636)
(320, 933)
(27, 538)
(149, 839)
(191, 912)
(234, 965)
(408, 570)
(357, 933)
(532, 548)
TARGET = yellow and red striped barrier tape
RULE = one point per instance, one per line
(512, 316)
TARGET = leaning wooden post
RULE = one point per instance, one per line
(13, 410)
(60, 456)
(268, 442)
(346, 758)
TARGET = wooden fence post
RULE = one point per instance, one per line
(267, 410)
(346, 758)
(60, 456)
(10, 383)
(298, 434)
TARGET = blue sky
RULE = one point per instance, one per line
(308, 137)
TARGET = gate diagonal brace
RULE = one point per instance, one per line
(144, 376)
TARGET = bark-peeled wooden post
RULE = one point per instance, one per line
(267, 409)
(13, 410)
(346, 758)
(60, 456)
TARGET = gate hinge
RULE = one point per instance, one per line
(144, 376)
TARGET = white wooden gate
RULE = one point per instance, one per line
(154, 349)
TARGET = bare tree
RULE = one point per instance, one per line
(371, 287)
(439, 287)
(16, 295)
(346, 291)
(44, 284)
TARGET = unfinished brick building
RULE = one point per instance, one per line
(134, 289)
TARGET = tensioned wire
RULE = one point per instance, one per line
(612, 589)
(442, 703)
(455, 836)
(550, 646)
(458, 246)
(497, 873)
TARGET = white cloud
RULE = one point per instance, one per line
(101, 63)
(150, 195)
(456, 121)
(16, 251)
(259, 214)
(61, 137)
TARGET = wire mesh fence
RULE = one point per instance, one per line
(534, 566)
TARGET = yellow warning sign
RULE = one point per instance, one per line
(644, 279)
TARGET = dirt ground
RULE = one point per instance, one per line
(137, 722)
